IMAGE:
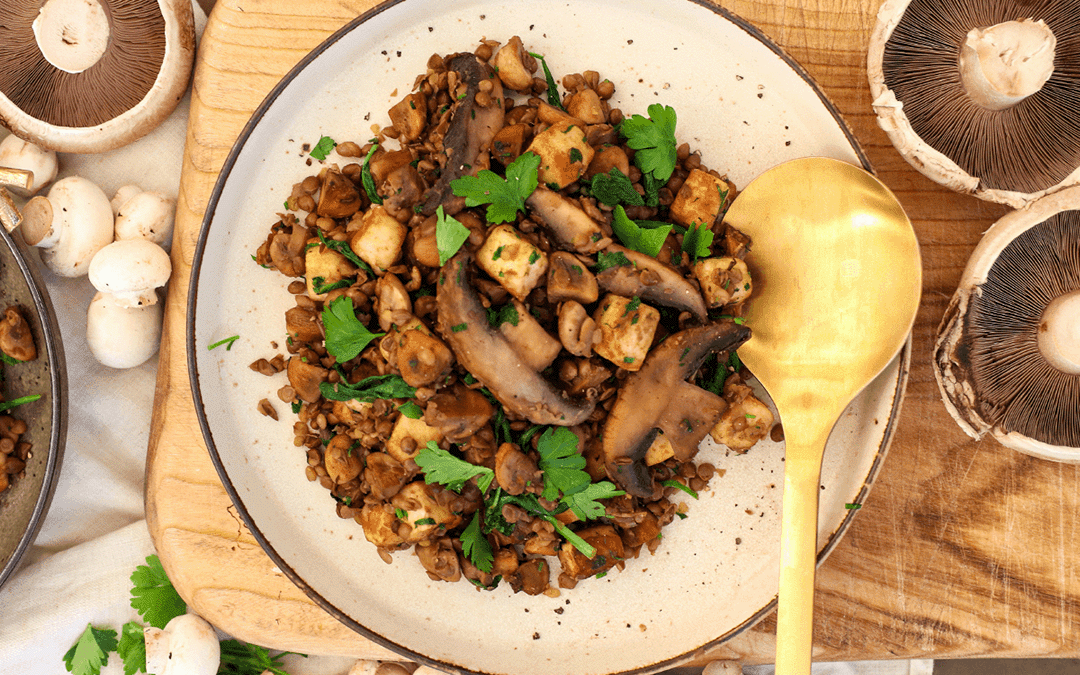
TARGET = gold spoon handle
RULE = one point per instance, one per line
(798, 554)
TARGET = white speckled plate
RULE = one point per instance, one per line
(743, 103)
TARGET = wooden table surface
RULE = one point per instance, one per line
(964, 548)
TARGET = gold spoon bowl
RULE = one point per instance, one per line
(838, 277)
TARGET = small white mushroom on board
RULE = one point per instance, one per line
(187, 645)
(70, 225)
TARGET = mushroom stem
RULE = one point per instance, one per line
(1007, 62)
(1059, 333)
(72, 34)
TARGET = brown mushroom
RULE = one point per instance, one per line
(658, 398)
(440, 560)
(492, 360)
(472, 128)
(514, 470)
(577, 330)
(403, 189)
(380, 526)
(609, 551)
(302, 325)
(567, 221)
(652, 281)
(421, 358)
(88, 77)
(532, 576)
(384, 475)
(15, 338)
(569, 279)
(459, 413)
(341, 460)
(338, 197)
(305, 378)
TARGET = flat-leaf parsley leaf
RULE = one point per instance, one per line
(323, 148)
(643, 236)
(654, 140)
(504, 197)
(345, 335)
(91, 651)
(153, 595)
(132, 648)
(450, 234)
(439, 466)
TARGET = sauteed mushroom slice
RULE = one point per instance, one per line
(492, 360)
(652, 281)
(472, 128)
(657, 397)
(567, 221)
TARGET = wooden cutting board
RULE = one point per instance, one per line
(963, 548)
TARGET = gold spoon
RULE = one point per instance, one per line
(837, 279)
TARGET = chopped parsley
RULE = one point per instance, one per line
(676, 484)
(605, 261)
(228, 342)
(369, 389)
(614, 188)
(8, 405)
(505, 314)
(366, 178)
(552, 87)
(323, 148)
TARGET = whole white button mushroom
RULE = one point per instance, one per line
(15, 153)
(146, 215)
(123, 194)
(122, 337)
(131, 271)
(70, 225)
(187, 645)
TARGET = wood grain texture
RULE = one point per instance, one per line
(963, 548)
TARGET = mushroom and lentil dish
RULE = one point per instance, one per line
(16, 346)
(516, 319)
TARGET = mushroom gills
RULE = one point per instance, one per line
(1006, 354)
(658, 397)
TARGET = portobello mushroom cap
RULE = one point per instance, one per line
(489, 356)
(658, 398)
(1007, 355)
(980, 95)
(652, 281)
(472, 128)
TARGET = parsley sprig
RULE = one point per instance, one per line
(323, 148)
(653, 138)
(505, 197)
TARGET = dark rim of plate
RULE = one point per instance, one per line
(193, 372)
(51, 345)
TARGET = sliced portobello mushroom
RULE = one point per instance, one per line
(472, 128)
(658, 398)
(652, 281)
(492, 359)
